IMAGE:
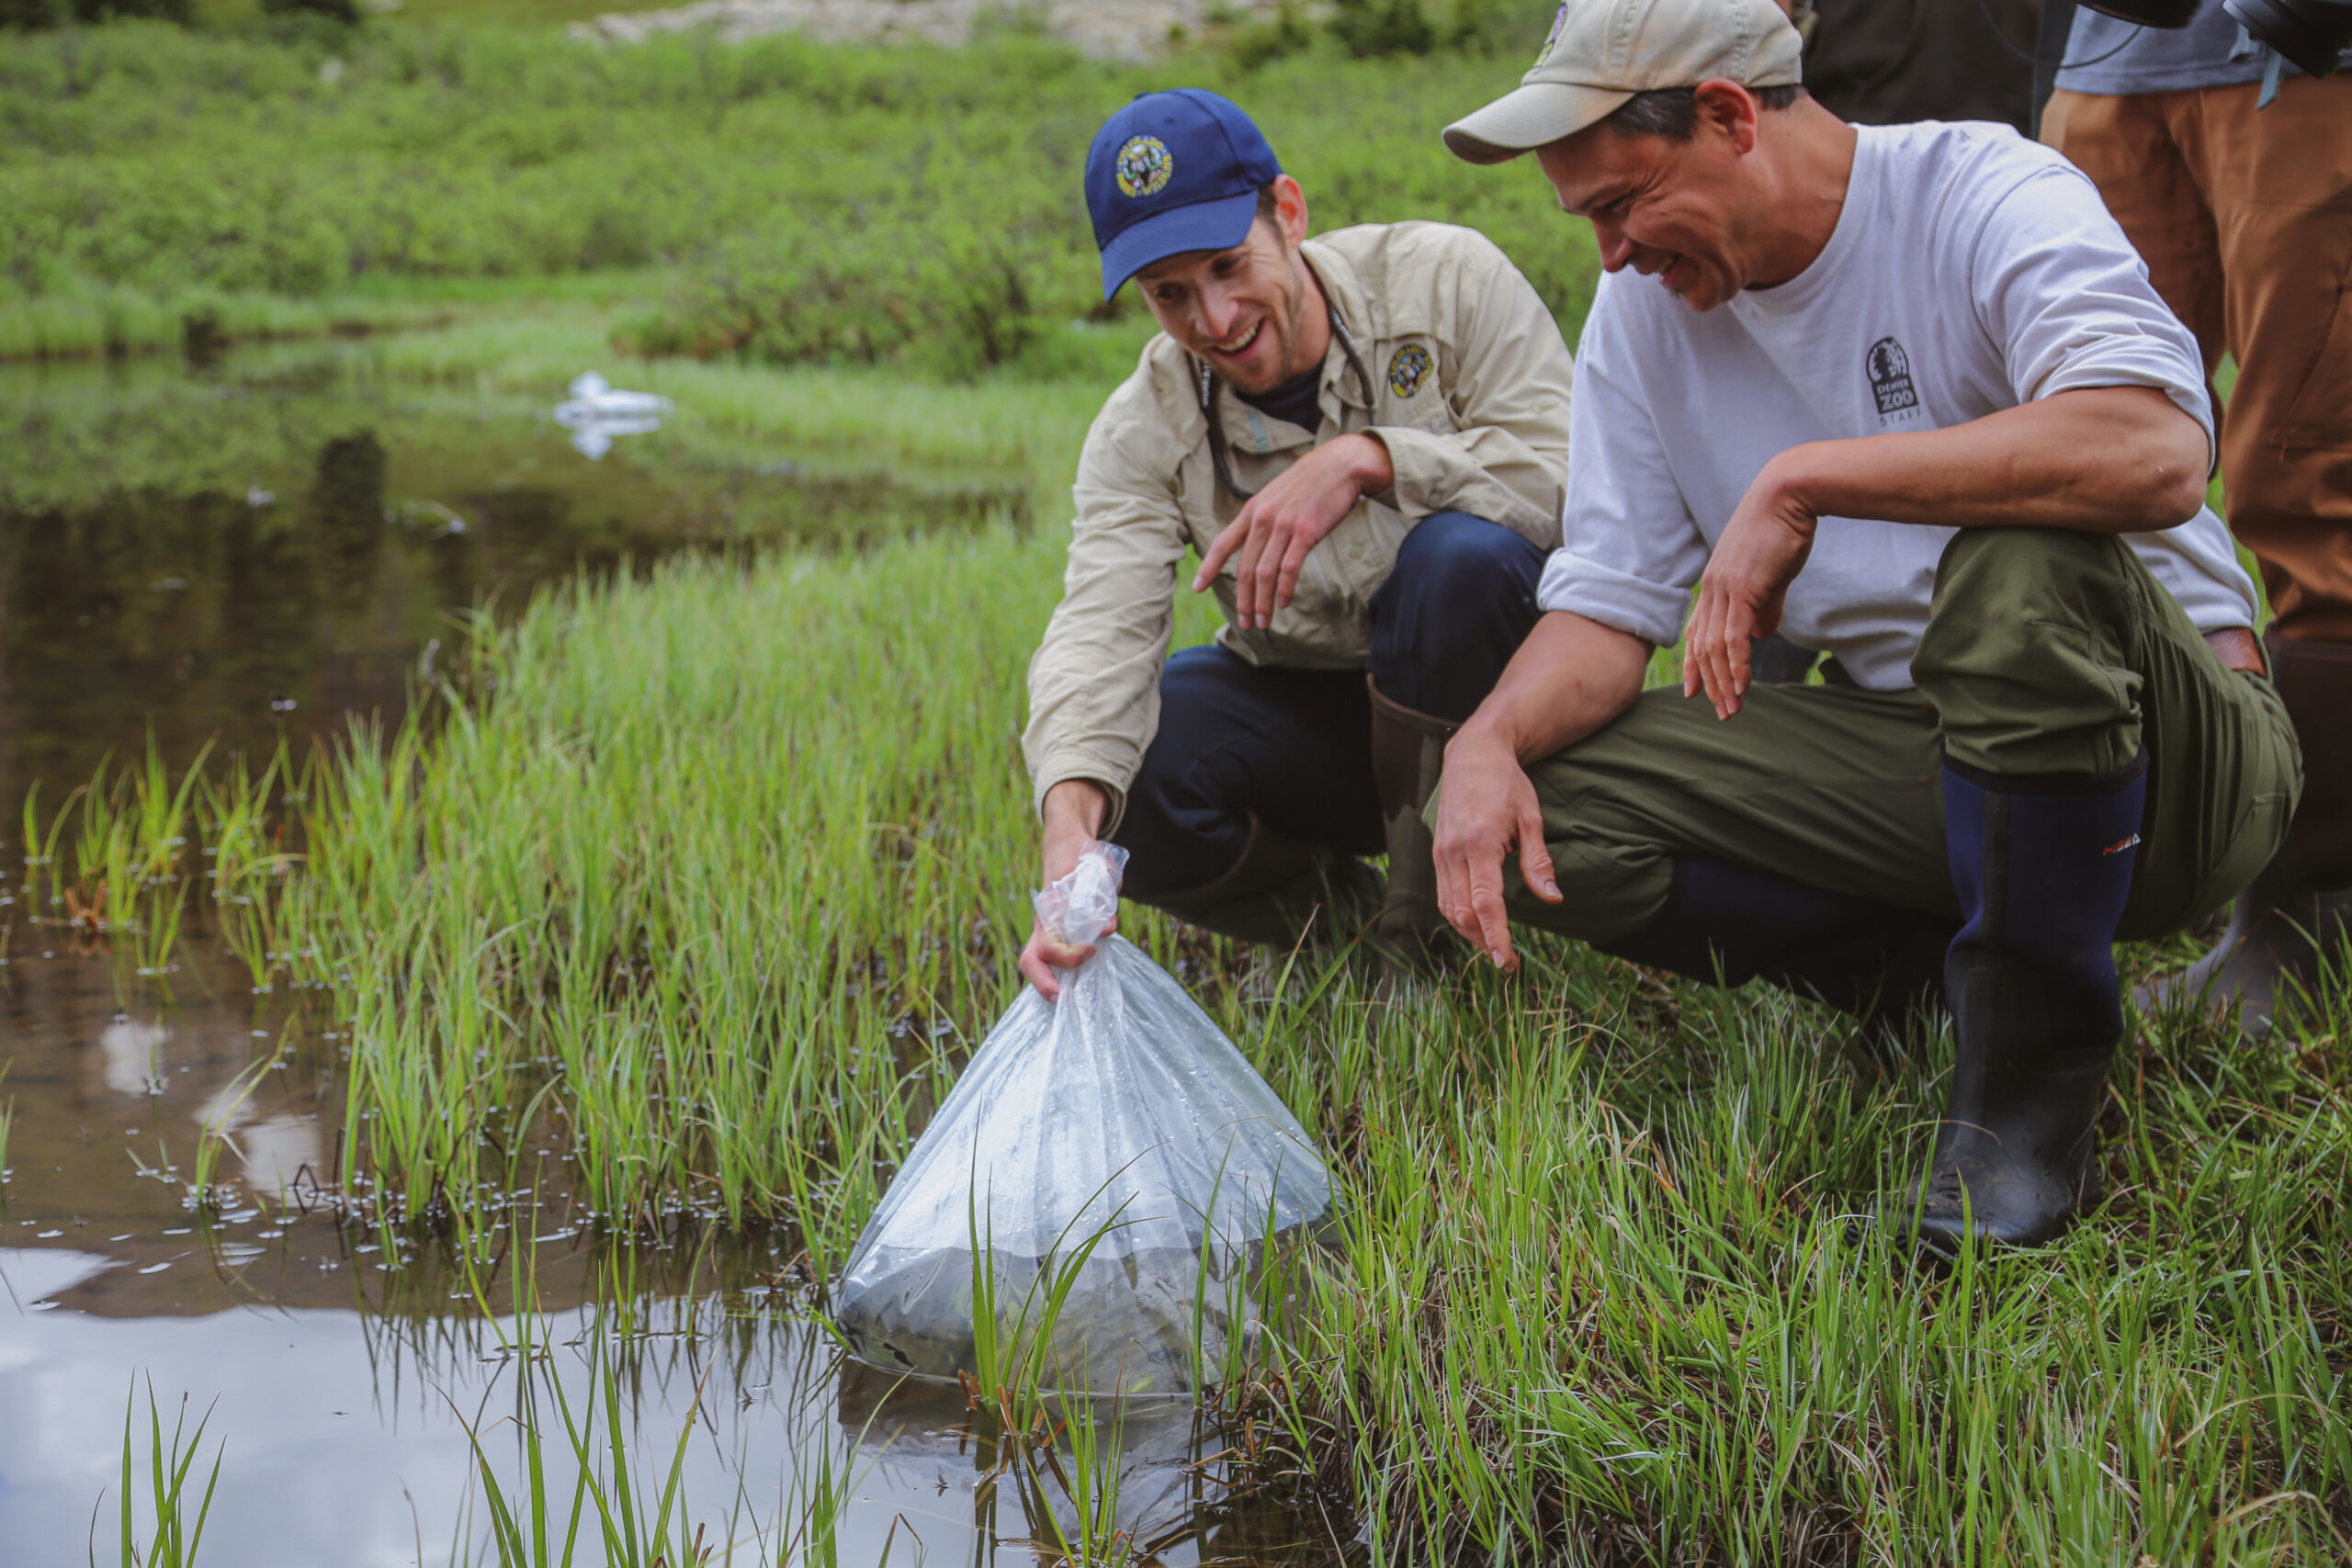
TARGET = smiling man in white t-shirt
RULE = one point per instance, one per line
(1905, 395)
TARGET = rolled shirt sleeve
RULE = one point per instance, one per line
(2060, 289)
(2069, 301)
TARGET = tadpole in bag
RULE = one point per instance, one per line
(1119, 1170)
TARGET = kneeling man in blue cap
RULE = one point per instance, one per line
(1364, 437)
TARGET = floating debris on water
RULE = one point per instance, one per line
(597, 411)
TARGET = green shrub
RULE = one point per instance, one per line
(914, 206)
(31, 13)
(344, 11)
(1371, 27)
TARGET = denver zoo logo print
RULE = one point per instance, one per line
(1144, 166)
(1889, 369)
(1408, 369)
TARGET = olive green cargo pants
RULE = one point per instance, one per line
(2047, 653)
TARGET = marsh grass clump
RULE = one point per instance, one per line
(716, 874)
(1635, 1322)
(666, 888)
(716, 835)
(148, 853)
(164, 1485)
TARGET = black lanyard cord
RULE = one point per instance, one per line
(1207, 385)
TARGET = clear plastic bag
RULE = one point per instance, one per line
(1122, 1173)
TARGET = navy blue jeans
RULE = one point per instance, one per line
(1294, 747)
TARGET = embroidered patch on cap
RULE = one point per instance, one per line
(1553, 40)
(1408, 369)
(1144, 166)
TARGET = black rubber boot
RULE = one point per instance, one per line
(2298, 913)
(2043, 869)
(1881, 963)
(1407, 758)
(1281, 892)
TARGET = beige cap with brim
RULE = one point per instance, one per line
(1603, 52)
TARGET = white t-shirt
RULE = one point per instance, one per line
(1971, 271)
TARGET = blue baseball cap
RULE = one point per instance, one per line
(1174, 171)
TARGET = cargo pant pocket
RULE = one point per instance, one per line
(2261, 832)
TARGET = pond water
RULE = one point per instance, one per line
(291, 536)
(266, 548)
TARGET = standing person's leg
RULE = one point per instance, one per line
(2279, 181)
(1254, 801)
(1459, 602)
(2103, 776)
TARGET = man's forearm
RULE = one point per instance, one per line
(2101, 460)
(1074, 810)
(1570, 677)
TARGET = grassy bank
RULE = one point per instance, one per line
(729, 870)
(72, 436)
(796, 202)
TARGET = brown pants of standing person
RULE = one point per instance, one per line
(2245, 217)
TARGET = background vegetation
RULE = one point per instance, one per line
(914, 207)
(719, 872)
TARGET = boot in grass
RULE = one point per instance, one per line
(2043, 869)
(1407, 758)
(1280, 892)
(2298, 914)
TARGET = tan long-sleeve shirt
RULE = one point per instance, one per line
(1470, 385)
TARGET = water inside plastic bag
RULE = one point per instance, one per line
(1112, 1150)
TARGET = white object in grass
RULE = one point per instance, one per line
(597, 411)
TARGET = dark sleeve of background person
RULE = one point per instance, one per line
(1891, 61)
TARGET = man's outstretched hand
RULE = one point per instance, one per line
(1744, 589)
(1074, 813)
(1488, 809)
(1269, 542)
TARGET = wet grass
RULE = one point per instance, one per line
(83, 319)
(711, 877)
(163, 1488)
(723, 870)
(684, 896)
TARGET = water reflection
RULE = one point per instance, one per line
(262, 549)
(133, 1055)
(347, 1437)
(272, 544)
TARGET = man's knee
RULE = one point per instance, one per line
(2025, 652)
(1451, 554)
(1458, 603)
(1609, 889)
(1175, 830)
